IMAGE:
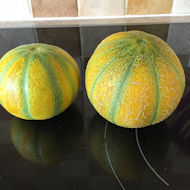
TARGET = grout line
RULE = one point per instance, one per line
(103, 17)
(36, 35)
(94, 21)
(86, 127)
(30, 8)
(78, 8)
(125, 6)
(125, 12)
(81, 43)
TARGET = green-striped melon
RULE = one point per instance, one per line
(38, 81)
(134, 79)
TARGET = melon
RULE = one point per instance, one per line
(38, 81)
(134, 79)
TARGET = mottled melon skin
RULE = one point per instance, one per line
(38, 81)
(134, 79)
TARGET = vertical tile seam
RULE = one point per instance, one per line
(30, 8)
(78, 8)
(125, 6)
(36, 35)
(31, 14)
(125, 13)
(173, 6)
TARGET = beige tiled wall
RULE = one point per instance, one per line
(101, 7)
(140, 7)
(56, 8)
(25, 9)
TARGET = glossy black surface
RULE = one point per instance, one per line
(78, 149)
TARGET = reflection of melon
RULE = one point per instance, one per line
(180, 124)
(134, 79)
(38, 81)
(123, 151)
(49, 141)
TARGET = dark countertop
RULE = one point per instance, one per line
(78, 149)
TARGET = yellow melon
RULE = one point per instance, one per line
(38, 81)
(134, 79)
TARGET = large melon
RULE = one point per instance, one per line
(38, 81)
(134, 79)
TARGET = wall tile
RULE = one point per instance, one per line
(66, 38)
(179, 41)
(17, 9)
(56, 8)
(179, 38)
(140, 7)
(160, 30)
(11, 38)
(101, 7)
(181, 6)
(92, 36)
